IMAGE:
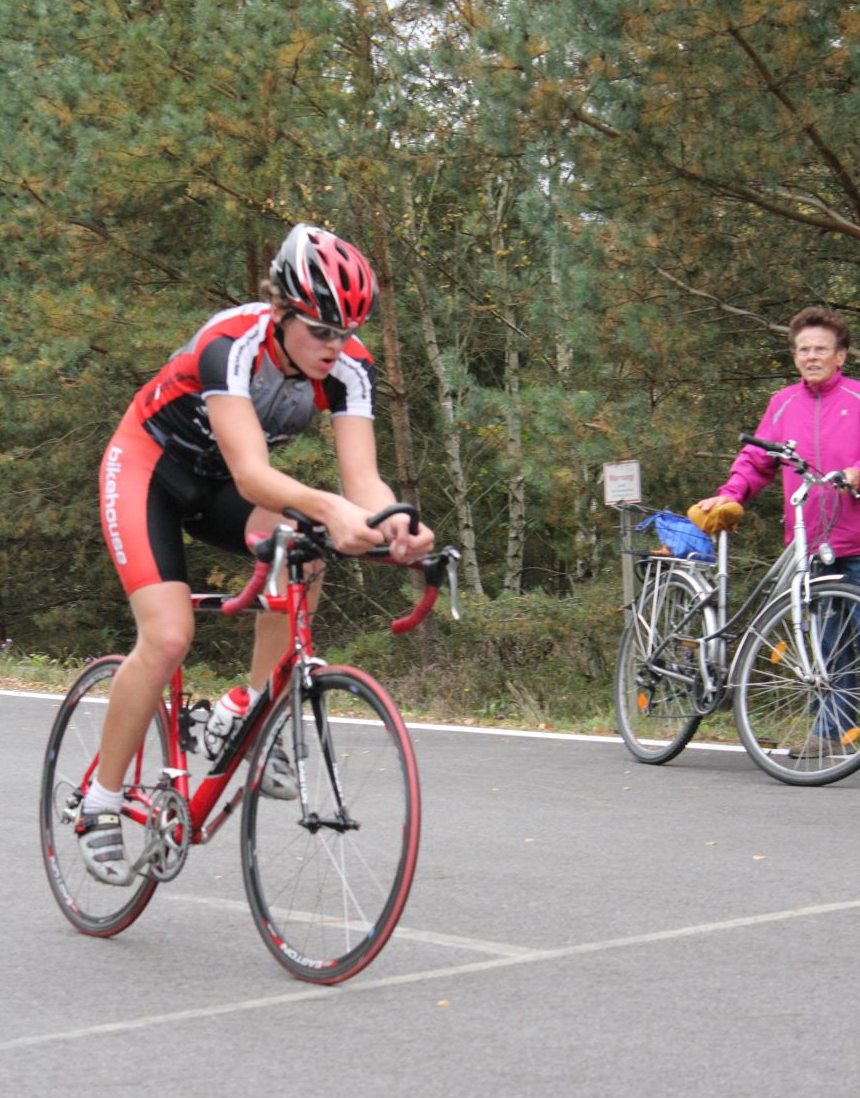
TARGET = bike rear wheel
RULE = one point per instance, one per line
(803, 731)
(71, 757)
(655, 685)
(327, 898)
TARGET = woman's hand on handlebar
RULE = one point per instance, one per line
(852, 478)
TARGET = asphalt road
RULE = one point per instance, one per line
(580, 924)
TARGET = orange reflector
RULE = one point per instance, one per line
(778, 651)
(850, 736)
(642, 702)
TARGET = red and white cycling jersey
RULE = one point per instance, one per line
(233, 354)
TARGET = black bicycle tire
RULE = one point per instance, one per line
(297, 959)
(665, 747)
(763, 755)
(131, 901)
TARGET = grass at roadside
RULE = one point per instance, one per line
(43, 674)
(33, 672)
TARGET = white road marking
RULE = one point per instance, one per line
(520, 733)
(526, 956)
(426, 937)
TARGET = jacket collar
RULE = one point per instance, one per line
(825, 387)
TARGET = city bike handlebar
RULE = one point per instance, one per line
(308, 540)
(786, 452)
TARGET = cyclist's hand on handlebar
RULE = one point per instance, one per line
(347, 527)
(406, 547)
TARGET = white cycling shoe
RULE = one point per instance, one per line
(279, 778)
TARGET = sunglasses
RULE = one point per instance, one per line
(325, 333)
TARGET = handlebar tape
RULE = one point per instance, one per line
(418, 613)
(248, 595)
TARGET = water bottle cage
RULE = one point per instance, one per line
(192, 723)
(213, 741)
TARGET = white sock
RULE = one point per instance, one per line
(99, 799)
(252, 696)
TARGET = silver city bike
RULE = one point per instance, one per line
(787, 661)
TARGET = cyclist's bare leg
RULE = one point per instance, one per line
(165, 627)
(272, 631)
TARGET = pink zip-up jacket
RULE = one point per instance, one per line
(824, 421)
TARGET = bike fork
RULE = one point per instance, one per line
(302, 686)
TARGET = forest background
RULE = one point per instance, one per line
(591, 221)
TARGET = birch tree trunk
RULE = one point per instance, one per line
(515, 549)
(450, 439)
(403, 453)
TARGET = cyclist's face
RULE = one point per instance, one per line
(816, 355)
(313, 348)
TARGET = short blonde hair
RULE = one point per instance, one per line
(273, 294)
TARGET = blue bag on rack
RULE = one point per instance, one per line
(680, 536)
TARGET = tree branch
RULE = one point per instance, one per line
(731, 310)
(840, 172)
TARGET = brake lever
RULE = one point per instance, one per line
(838, 479)
(453, 560)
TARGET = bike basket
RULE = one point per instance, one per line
(680, 536)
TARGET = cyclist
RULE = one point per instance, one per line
(821, 413)
(191, 455)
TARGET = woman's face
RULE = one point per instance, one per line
(314, 348)
(816, 355)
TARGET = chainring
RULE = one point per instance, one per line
(168, 835)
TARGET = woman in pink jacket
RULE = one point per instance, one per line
(821, 414)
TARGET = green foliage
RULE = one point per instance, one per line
(630, 198)
(535, 658)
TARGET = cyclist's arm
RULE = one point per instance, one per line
(243, 446)
(355, 445)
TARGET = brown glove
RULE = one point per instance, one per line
(725, 516)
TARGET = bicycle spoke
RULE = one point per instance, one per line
(92, 907)
(658, 670)
(796, 703)
(327, 890)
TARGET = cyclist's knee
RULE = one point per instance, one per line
(163, 646)
(162, 655)
(165, 626)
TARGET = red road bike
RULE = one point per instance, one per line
(327, 875)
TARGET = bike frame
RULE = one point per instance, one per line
(290, 673)
(212, 785)
(789, 572)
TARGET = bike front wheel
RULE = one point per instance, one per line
(796, 704)
(659, 666)
(327, 882)
(71, 759)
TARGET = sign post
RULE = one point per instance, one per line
(622, 483)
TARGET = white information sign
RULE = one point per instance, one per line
(622, 483)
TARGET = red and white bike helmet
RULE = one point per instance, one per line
(324, 278)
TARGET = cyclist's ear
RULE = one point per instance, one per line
(725, 516)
